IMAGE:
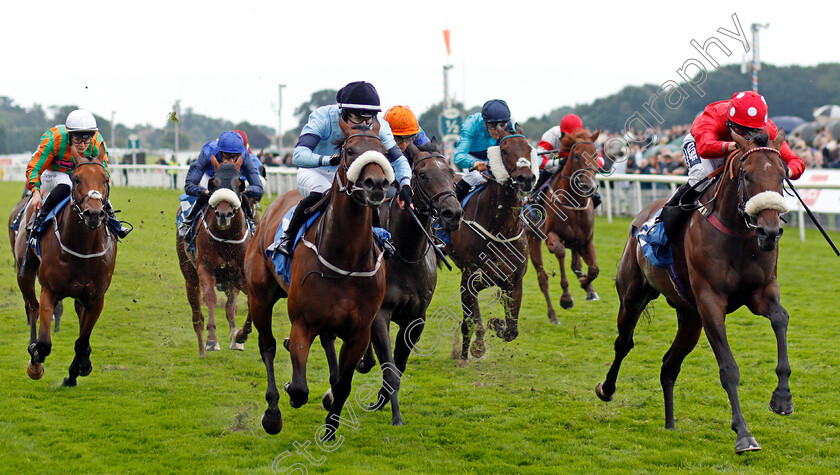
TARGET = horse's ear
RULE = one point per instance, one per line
(595, 136)
(214, 162)
(518, 129)
(779, 140)
(740, 141)
(260, 155)
(345, 127)
(411, 152)
(435, 141)
(211, 185)
(375, 125)
(238, 162)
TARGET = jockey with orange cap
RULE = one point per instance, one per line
(404, 126)
(709, 143)
(552, 160)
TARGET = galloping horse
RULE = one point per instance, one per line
(491, 249)
(337, 278)
(411, 271)
(569, 216)
(724, 258)
(78, 255)
(220, 244)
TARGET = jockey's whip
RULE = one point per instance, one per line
(439, 253)
(813, 218)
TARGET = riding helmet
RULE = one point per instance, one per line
(80, 120)
(570, 124)
(748, 109)
(495, 110)
(359, 96)
(402, 121)
(231, 142)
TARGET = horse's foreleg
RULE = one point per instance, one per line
(767, 303)
(300, 340)
(351, 352)
(688, 333)
(42, 347)
(328, 344)
(30, 305)
(381, 341)
(555, 245)
(232, 294)
(592, 271)
(471, 323)
(88, 316)
(207, 283)
(535, 251)
(512, 302)
(713, 313)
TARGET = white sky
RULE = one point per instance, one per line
(226, 59)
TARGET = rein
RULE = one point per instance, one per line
(226, 241)
(429, 201)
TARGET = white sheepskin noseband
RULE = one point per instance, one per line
(497, 166)
(224, 194)
(371, 156)
(766, 200)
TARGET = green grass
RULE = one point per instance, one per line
(151, 405)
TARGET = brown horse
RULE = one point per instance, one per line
(78, 255)
(725, 257)
(337, 278)
(569, 219)
(220, 243)
(411, 271)
(490, 249)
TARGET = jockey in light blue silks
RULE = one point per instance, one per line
(229, 146)
(480, 132)
(317, 151)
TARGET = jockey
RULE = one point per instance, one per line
(405, 128)
(48, 171)
(317, 152)
(228, 147)
(709, 143)
(479, 132)
(552, 159)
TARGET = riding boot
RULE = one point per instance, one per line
(596, 199)
(249, 214)
(34, 228)
(200, 201)
(462, 189)
(299, 216)
(538, 194)
(386, 243)
(114, 223)
(673, 214)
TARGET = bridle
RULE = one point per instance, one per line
(511, 183)
(350, 188)
(574, 176)
(424, 198)
(90, 195)
(750, 221)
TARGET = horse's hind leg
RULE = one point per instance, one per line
(688, 333)
(472, 321)
(88, 316)
(259, 311)
(351, 352)
(57, 312)
(381, 341)
(193, 295)
(555, 245)
(367, 362)
(535, 251)
(232, 294)
(592, 270)
(32, 307)
(300, 340)
(512, 302)
(328, 344)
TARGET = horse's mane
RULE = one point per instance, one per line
(762, 138)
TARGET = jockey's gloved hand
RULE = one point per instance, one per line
(405, 195)
(335, 160)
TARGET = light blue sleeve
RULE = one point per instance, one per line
(468, 133)
(385, 134)
(319, 126)
(402, 171)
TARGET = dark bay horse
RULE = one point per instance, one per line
(490, 247)
(220, 243)
(78, 254)
(337, 278)
(411, 271)
(568, 215)
(725, 257)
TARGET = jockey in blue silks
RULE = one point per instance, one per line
(317, 152)
(480, 131)
(229, 146)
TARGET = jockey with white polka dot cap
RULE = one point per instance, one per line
(708, 144)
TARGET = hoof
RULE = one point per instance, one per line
(477, 349)
(464, 363)
(236, 346)
(240, 337)
(212, 345)
(781, 404)
(592, 296)
(498, 325)
(329, 434)
(272, 421)
(35, 371)
(69, 383)
(286, 344)
(552, 317)
(567, 304)
(746, 444)
(86, 369)
(599, 390)
(327, 400)
(397, 421)
(295, 400)
(510, 336)
(364, 367)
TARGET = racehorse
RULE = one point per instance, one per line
(78, 254)
(220, 244)
(17, 218)
(491, 249)
(411, 271)
(724, 258)
(337, 279)
(569, 217)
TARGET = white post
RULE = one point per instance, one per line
(280, 116)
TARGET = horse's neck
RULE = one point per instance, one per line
(726, 204)
(504, 203)
(344, 233)
(76, 235)
(408, 239)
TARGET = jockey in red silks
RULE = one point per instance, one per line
(709, 142)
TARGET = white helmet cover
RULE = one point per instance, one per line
(80, 120)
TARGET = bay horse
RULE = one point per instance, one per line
(78, 254)
(568, 219)
(16, 217)
(337, 278)
(725, 258)
(412, 270)
(490, 249)
(218, 262)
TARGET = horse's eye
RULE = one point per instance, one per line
(423, 176)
